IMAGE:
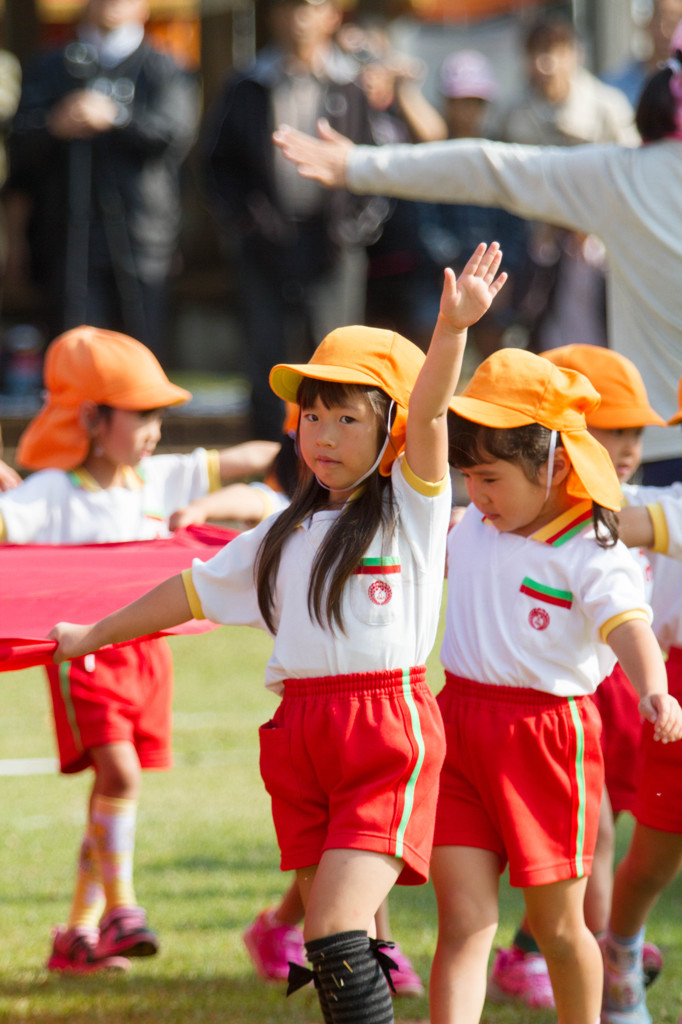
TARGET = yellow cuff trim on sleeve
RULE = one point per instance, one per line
(618, 620)
(661, 536)
(192, 596)
(429, 490)
(3, 530)
(268, 504)
(213, 466)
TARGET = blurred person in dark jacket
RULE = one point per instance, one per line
(299, 250)
(102, 128)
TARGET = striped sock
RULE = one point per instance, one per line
(88, 897)
(113, 828)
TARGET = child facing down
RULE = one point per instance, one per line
(520, 974)
(540, 599)
(348, 580)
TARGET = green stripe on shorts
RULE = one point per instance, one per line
(412, 781)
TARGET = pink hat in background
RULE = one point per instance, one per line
(468, 74)
(676, 41)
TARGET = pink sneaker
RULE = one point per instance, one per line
(519, 977)
(272, 946)
(74, 951)
(405, 980)
(652, 963)
(124, 930)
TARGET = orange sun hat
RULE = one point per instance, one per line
(360, 355)
(89, 363)
(624, 401)
(513, 388)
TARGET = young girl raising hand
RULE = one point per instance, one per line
(541, 599)
(348, 581)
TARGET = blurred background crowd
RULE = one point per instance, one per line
(141, 191)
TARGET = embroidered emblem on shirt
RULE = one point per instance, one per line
(539, 618)
(380, 592)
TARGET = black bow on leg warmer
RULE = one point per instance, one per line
(350, 973)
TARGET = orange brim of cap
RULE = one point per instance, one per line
(677, 418)
(486, 413)
(633, 416)
(286, 378)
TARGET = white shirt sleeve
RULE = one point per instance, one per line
(666, 513)
(610, 584)
(538, 182)
(34, 511)
(225, 585)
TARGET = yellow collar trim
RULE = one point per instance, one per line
(564, 526)
(82, 478)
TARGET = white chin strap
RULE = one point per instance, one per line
(374, 465)
(550, 462)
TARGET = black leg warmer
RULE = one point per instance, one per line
(351, 973)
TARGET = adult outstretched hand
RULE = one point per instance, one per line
(322, 159)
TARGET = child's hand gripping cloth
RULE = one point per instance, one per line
(45, 583)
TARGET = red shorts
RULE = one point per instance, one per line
(118, 694)
(352, 762)
(618, 706)
(523, 777)
(659, 793)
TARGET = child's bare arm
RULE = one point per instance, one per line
(637, 650)
(252, 458)
(234, 502)
(464, 300)
(635, 527)
(161, 608)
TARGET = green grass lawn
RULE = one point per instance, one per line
(206, 864)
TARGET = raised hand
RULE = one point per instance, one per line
(323, 159)
(465, 299)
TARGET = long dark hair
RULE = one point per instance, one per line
(350, 535)
(471, 444)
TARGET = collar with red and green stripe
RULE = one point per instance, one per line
(565, 526)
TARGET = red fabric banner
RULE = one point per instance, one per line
(45, 583)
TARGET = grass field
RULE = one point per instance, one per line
(206, 864)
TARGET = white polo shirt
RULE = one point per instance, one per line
(390, 606)
(536, 611)
(55, 507)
